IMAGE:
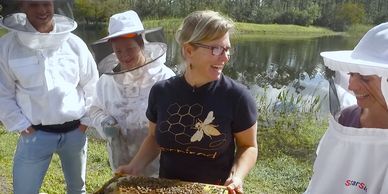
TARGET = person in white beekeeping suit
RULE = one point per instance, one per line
(47, 80)
(121, 99)
(352, 157)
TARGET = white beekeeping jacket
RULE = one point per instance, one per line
(125, 95)
(46, 78)
(352, 160)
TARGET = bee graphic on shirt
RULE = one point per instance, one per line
(206, 128)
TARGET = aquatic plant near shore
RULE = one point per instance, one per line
(301, 98)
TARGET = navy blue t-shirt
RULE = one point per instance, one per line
(195, 126)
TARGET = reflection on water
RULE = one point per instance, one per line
(271, 66)
(275, 62)
(289, 73)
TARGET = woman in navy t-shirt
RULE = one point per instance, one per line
(202, 122)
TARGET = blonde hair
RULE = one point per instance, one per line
(203, 26)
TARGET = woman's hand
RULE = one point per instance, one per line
(234, 185)
(127, 169)
(245, 159)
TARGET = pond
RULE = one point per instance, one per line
(275, 61)
(273, 67)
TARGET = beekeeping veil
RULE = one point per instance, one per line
(13, 18)
(123, 24)
(123, 93)
(369, 57)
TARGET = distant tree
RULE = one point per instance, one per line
(84, 11)
(303, 15)
(348, 14)
(95, 11)
(381, 19)
(264, 15)
(336, 14)
(313, 11)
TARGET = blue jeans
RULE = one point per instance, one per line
(33, 156)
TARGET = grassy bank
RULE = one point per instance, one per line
(286, 153)
(358, 30)
(171, 25)
(267, 30)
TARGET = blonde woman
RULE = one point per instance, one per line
(201, 122)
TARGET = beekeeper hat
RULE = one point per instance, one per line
(123, 23)
(369, 57)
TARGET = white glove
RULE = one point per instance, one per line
(110, 127)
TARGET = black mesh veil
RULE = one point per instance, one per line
(334, 103)
(103, 49)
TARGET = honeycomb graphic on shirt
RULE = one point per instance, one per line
(185, 125)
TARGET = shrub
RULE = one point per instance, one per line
(347, 14)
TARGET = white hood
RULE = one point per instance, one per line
(155, 54)
(369, 57)
(31, 38)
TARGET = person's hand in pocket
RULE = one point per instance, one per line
(83, 128)
(30, 130)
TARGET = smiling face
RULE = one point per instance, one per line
(367, 90)
(206, 67)
(128, 52)
(39, 14)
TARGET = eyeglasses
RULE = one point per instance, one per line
(216, 50)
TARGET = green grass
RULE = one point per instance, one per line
(286, 154)
(294, 30)
(98, 170)
(2, 31)
(358, 30)
(7, 142)
(266, 30)
(171, 25)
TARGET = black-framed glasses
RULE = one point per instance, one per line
(216, 50)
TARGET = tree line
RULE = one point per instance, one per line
(334, 14)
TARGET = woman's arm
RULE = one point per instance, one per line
(148, 151)
(245, 159)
